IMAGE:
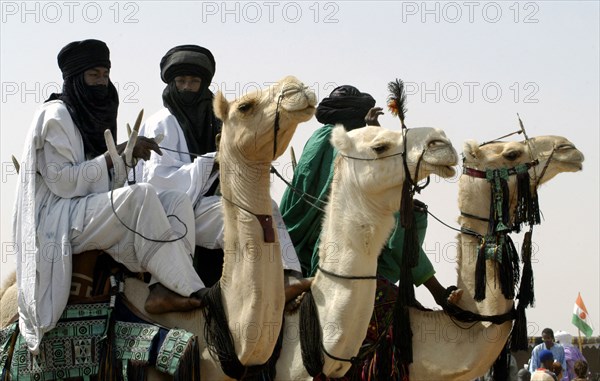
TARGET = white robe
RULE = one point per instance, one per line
(175, 170)
(63, 207)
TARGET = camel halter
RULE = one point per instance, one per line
(415, 186)
(277, 113)
(527, 211)
(266, 220)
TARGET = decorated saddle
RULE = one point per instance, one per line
(100, 340)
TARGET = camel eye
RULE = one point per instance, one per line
(380, 148)
(512, 155)
(436, 143)
(244, 107)
(564, 147)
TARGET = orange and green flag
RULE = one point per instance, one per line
(581, 317)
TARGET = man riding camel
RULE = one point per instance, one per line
(65, 205)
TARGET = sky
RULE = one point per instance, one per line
(469, 68)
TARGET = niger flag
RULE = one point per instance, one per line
(581, 318)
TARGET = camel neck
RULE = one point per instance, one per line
(246, 185)
(252, 280)
(348, 249)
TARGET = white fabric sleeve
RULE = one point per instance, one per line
(63, 175)
(174, 170)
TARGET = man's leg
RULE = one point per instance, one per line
(209, 223)
(140, 209)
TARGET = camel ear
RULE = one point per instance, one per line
(221, 106)
(471, 150)
(340, 139)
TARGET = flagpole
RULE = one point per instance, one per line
(579, 340)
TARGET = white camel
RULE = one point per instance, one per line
(358, 220)
(257, 128)
(443, 349)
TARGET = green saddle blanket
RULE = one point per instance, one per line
(74, 348)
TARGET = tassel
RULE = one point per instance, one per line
(109, 368)
(189, 365)
(480, 270)
(501, 365)
(526, 288)
(525, 296)
(534, 213)
(136, 370)
(528, 208)
(509, 267)
(523, 199)
(503, 265)
(310, 336)
(518, 336)
(406, 206)
(218, 336)
(383, 360)
(505, 200)
(401, 331)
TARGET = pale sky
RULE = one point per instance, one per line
(469, 68)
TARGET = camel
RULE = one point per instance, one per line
(469, 350)
(358, 220)
(257, 128)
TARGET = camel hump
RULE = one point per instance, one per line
(8, 282)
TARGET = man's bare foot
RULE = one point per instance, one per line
(162, 300)
(296, 287)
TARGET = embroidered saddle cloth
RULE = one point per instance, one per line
(77, 346)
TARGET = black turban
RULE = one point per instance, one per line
(188, 60)
(345, 105)
(193, 111)
(93, 108)
(78, 56)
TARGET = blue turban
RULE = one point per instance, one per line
(546, 355)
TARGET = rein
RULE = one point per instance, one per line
(276, 123)
(299, 192)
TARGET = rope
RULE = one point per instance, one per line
(112, 205)
(299, 192)
(348, 277)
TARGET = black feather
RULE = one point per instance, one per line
(397, 99)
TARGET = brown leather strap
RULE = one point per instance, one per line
(266, 222)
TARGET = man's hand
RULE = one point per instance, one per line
(142, 149)
(372, 115)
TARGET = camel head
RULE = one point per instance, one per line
(249, 123)
(558, 153)
(383, 172)
(555, 153)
